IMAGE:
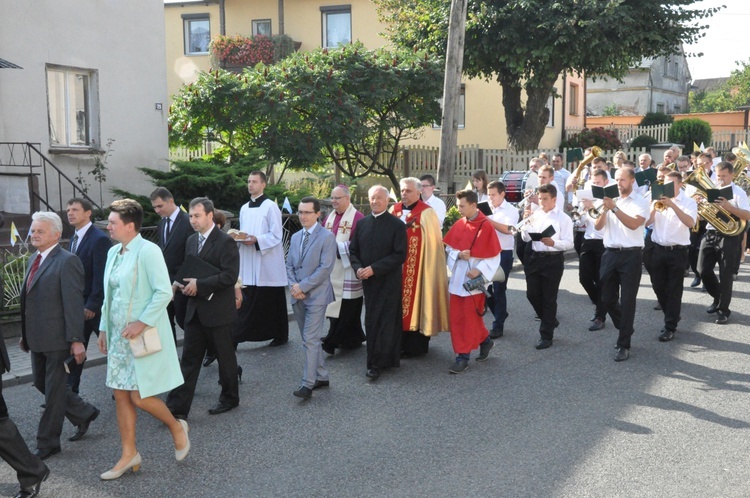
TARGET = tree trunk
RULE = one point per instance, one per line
(525, 126)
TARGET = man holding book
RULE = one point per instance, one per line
(673, 215)
(550, 232)
(719, 248)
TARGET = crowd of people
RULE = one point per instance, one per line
(223, 287)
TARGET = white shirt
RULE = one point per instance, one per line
(561, 222)
(46, 253)
(265, 266)
(170, 225)
(561, 178)
(739, 200)
(617, 235)
(439, 206)
(559, 202)
(81, 233)
(506, 214)
(205, 236)
(668, 229)
(308, 230)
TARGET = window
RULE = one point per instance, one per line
(261, 27)
(337, 25)
(677, 109)
(659, 107)
(573, 100)
(461, 110)
(551, 107)
(197, 33)
(71, 97)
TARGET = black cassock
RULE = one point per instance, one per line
(380, 242)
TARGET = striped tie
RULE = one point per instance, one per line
(304, 242)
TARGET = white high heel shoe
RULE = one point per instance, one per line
(134, 464)
(181, 454)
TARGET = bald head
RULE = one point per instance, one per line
(340, 199)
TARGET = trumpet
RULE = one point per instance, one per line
(520, 227)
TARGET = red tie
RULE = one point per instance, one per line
(34, 268)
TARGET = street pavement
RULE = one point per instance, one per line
(672, 421)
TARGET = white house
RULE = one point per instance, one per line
(91, 71)
(658, 84)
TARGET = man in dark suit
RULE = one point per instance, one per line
(174, 229)
(51, 326)
(91, 246)
(312, 253)
(29, 468)
(210, 313)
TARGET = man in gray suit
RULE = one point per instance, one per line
(51, 327)
(312, 253)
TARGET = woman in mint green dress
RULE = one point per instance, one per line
(137, 291)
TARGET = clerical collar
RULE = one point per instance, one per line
(257, 201)
(473, 217)
(380, 213)
(409, 208)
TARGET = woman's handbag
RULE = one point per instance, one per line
(148, 342)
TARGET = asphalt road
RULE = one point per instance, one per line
(673, 420)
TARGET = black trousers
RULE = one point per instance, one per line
(620, 274)
(578, 238)
(346, 330)
(588, 272)
(695, 246)
(667, 279)
(197, 336)
(718, 249)
(61, 402)
(29, 469)
(89, 327)
(543, 274)
(648, 250)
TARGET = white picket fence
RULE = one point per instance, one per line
(721, 140)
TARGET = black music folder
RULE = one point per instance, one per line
(485, 208)
(547, 232)
(610, 191)
(666, 190)
(715, 193)
(195, 267)
(646, 177)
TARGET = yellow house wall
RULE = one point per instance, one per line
(181, 68)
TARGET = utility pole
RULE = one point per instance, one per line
(454, 60)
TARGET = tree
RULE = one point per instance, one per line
(348, 106)
(525, 45)
(689, 132)
(733, 94)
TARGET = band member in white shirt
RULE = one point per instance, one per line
(592, 250)
(673, 218)
(504, 214)
(545, 263)
(622, 221)
(717, 248)
(428, 196)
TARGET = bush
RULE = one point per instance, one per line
(643, 141)
(606, 139)
(451, 217)
(656, 118)
(690, 131)
(283, 47)
(242, 51)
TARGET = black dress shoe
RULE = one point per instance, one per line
(373, 373)
(84, 427)
(278, 342)
(657, 307)
(33, 490)
(208, 360)
(713, 308)
(597, 325)
(496, 333)
(622, 354)
(328, 349)
(321, 383)
(221, 407)
(543, 343)
(303, 392)
(721, 317)
(666, 335)
(696, 282)
(45, 453)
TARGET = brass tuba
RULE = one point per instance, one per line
(743, 158)
(578, 173)
(719, 217)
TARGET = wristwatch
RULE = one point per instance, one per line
(615, 209)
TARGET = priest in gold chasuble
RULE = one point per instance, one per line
(424, 301)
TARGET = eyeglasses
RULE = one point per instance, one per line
(299, 213)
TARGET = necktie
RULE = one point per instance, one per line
(34, 268)
(167, 229)
(74, 243)
(304, 242)
(201, 241)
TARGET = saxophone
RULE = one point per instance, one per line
(719, 217)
